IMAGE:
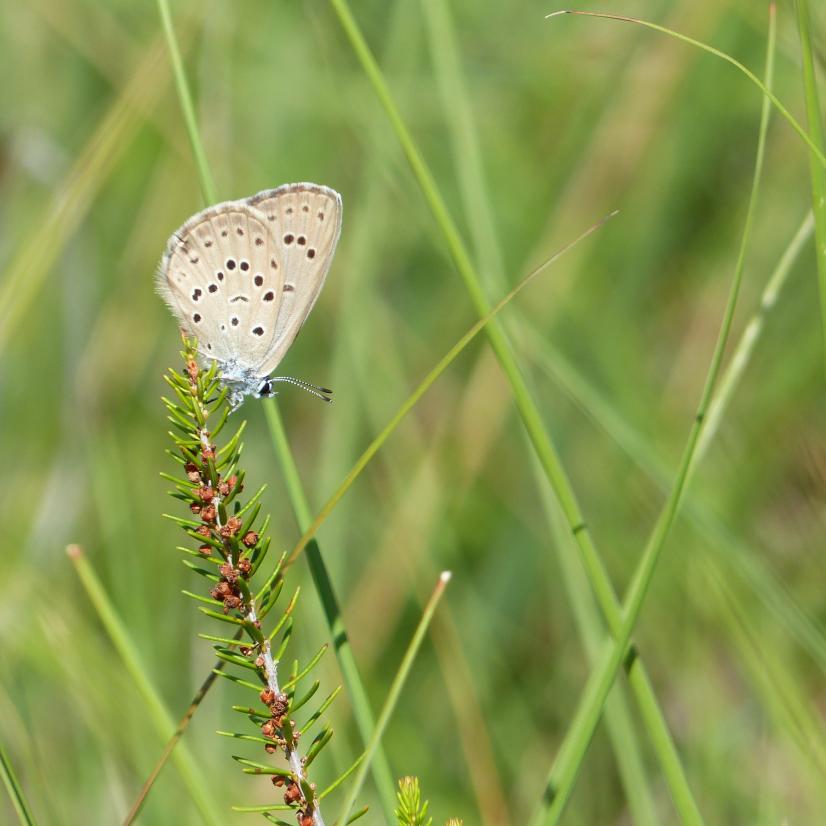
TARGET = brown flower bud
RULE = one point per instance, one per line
(292, 793)
(225, 589)
(223, 488)
(209, 513)
(228, 572)
(305, 819)
(259, 662)
(270, 749)
(250, 538)
(206, 493)
(267, 696)
(231, 604)
(192, 370)
(231, 528)
(277, 779)
(204, 530)
(205, 550)
(195, 508)
(244, 566)
(268, 729)
(279, 704)
(208, 452)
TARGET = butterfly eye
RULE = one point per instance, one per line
(265, 388)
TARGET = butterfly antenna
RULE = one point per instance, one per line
(323, 393)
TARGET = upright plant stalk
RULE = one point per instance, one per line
(232, 546)
(817, 170)
(575, 745)
(15, 790)
(395, 691)
(540, 439)
(321, 578)
(158, 713)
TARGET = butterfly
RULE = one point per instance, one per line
(242, 276)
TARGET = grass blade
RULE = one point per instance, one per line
(15, 790)
(529, 412)
(321, 579)
(164, 726)
(575, 745)
(817, 170)
(393, 694)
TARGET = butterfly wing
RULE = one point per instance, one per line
(223, 278)
(305, 222)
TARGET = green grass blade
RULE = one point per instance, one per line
(566, 768)
(161, 719)
(15, 790)
(410, 402)
(784, 112)
(393, 695)
(180, 728)
(817, 170)
(531, 417)
(321, 579)
(332, 610)
(618, 719)
(187, 106)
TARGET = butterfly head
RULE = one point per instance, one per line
(265, 389)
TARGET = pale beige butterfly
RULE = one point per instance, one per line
(242, 277)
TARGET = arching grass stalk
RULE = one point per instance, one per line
(15, 790)
(393, 694)
(410, 402)
(817, 171)
(564, 772)
(539, 437)
(232, 545)
(321, 579)
(160, 717)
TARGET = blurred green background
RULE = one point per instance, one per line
(571, 118)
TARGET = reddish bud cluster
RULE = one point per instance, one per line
(292, 794)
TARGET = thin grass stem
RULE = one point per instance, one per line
(540, 439)
(187, 105)
(816, 168)
(321, 579)
(393, 695)
(164, 726)
(15, 790)
(572, 752)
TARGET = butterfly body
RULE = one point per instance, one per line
(242, 277)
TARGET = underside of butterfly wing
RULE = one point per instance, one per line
(222, 277)
(304, 221)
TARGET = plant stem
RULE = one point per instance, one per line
(817, 170)
(784, 112)
(393, 695)
(15, 790)
(572, 752)
(540, 439)
(164, 725)
(332, 610)
(321, 579)
(187, 106)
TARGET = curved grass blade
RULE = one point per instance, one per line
(393, 694)
(816, 168)
(298, 498)
(410, 402)
(763, 87)
(161, 719)
(15, 790)
(572, 752)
